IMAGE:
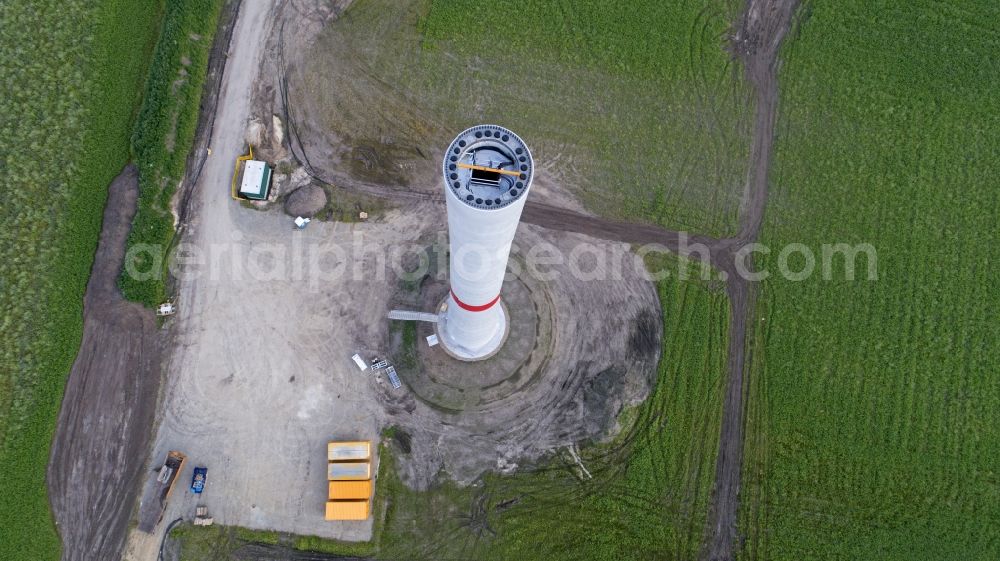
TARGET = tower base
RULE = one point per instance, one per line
(465, 354)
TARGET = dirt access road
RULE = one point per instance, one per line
(243, 60)
(106, 418)
(107, 410)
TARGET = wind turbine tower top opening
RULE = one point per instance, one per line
(488, 167)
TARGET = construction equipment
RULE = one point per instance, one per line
(408, 315)
(166, 476)
(256, 182)
(379, 364)
(360, 362)
(348, 471)
(393, 377)
(349, 490)
(201, 517)
(487, 169)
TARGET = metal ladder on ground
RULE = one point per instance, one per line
(406, 315)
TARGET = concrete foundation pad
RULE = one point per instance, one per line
(450, 383)
(471, 355)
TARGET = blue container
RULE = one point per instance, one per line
(198, 479)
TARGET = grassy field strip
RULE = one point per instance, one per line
(874, 431)
(73, 74)
(165, 131)
(642, 125)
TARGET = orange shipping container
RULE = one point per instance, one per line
(348, 471)
(348, 451)
(340, 490)
(347, 510)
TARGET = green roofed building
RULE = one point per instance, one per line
(256, 180)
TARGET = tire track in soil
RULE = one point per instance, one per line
(267, 552)
(757, 40)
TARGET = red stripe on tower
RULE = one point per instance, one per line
(472, 308)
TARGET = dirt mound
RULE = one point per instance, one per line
(256, 132)
(306, 201)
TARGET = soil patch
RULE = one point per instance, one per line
(562, 377)
(108, 407)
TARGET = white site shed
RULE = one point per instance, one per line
(256, 180)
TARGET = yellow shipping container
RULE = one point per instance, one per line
(340, 490)
(347, 451)
(347, 510)
(348, 471)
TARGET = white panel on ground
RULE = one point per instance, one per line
(360, 362)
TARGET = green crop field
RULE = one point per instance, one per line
(73, 72)
(648, 498)
(874, 428)
(635, 106)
